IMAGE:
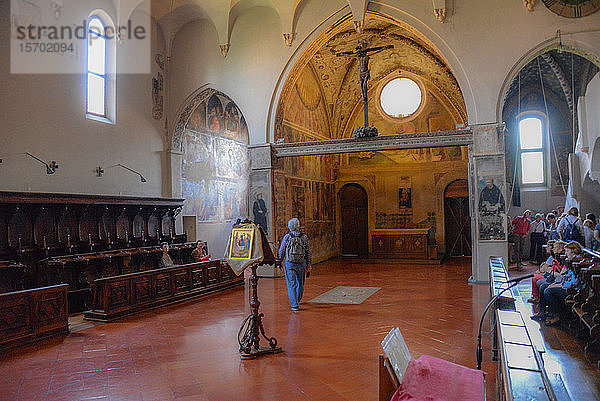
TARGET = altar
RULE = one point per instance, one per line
(401, 243)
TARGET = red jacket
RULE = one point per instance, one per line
(521, 225)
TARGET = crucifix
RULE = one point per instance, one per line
(362, 53)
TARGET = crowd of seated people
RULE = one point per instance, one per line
(556, 245)
(552, 281)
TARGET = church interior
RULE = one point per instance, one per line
(431, 152)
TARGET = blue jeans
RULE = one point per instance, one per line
(294, 278)
(555, 297)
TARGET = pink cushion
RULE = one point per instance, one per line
(433, 379)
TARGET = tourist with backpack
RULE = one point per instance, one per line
(570, 227)
(295, 251)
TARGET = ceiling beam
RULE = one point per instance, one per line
(438, 139)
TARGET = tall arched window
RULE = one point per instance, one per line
(96, 68)
(531, 150)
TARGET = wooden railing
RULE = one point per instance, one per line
(118, 296)
(30, 315)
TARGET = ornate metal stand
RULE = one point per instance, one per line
(252, 327)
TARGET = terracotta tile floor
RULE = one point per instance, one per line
(189, 352)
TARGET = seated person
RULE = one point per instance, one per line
(545, 267)
(200, 253)
(549, 275)
(165, 260)
(555, 293)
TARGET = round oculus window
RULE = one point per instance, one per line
(400, 97)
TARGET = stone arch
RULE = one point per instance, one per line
(572, 46)
(185, 111)
(294, 63)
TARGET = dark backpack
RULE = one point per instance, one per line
(571, 233)
(295, 252)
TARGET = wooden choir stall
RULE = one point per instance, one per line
(93, 244)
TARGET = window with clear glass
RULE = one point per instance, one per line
(96, 68)
(531, 142)
(400, 97)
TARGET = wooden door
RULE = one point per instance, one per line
(354, 214)
(457, 219)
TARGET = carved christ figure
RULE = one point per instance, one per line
(362, 53)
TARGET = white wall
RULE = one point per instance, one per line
(247, 75)
(45, 114)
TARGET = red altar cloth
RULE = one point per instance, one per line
(433, 379)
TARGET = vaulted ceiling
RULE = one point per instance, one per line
(555, 78)
(173, 14)
(337, 77)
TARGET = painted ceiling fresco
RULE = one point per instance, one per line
(337, 77)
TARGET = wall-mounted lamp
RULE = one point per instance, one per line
(50, 167)
(100, 171)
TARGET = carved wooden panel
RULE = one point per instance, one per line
(226, 273)
(153, 226)
(213, 275)
(44, 227)
(108, 229)
(118, 293)
(14, 316)
(18, 229)
(138, 226)
(163, 284)
(67, 226)
(401, 244)
(88, 226)
(166, 225)
(198, 278)
(51, 308)
(142, 289)
(158, 287)
(123, 226)
(31, 314)
(182, 281)
(3, 229)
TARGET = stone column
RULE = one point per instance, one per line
(488, 211)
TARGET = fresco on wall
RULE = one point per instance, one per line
(215, 161)
(260, 199)
(490, 198)
(405, 202)
(313, 202)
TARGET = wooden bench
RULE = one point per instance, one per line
(118, 296)
(30, 315)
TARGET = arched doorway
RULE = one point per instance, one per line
(457, 219)
(354, 214)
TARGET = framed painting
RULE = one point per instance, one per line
(241, 243)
